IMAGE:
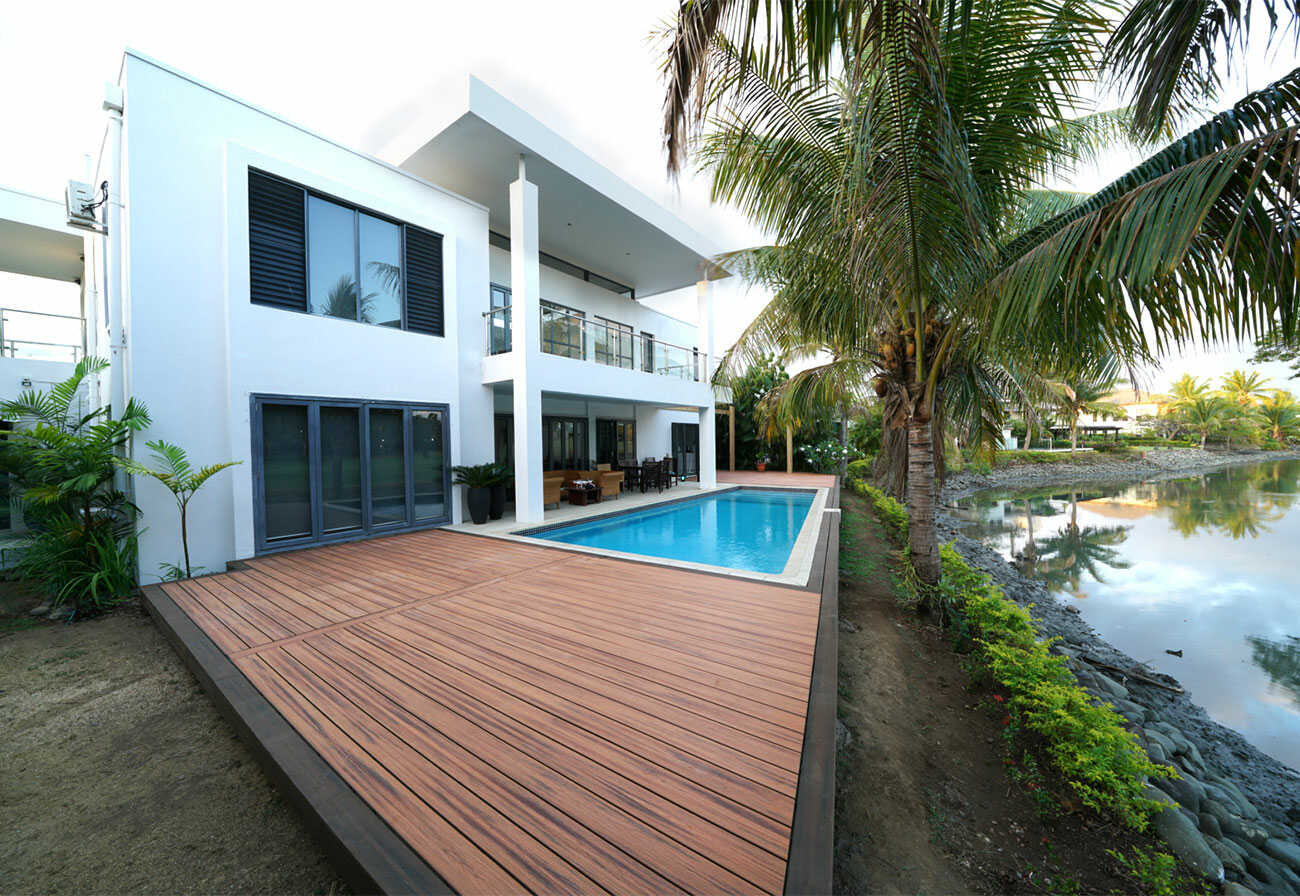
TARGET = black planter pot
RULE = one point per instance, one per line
(498, 506)
(480, 500)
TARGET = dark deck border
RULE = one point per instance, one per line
(368, 854)
(812, 833)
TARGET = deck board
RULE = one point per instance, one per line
(530, 719)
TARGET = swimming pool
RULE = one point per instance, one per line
(744, 529)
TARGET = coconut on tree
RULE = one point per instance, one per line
(892, 150)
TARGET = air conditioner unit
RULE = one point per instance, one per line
(79, 199)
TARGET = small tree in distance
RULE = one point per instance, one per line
(178, 475)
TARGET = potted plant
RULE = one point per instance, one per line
(761, 466)
(504, 476)
(478, 480)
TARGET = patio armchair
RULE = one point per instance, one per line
(552, 483)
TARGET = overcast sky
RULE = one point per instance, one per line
(590, 70)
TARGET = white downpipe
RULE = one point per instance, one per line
(114, 253)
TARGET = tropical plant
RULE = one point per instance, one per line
(1081, 395)
(476, 475)
(175, 472)
(749, 390)
(1244, 389)
(1204, 415)
(889, 148)
(1187, 388)
(60, 463)
(1280, 414)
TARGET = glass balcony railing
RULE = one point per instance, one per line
(41, 336)
(574, 336)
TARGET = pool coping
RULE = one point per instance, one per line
(797, 571)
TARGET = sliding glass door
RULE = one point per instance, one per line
(564, 443)
(326, 470)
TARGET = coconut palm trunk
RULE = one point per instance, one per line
(922, 541)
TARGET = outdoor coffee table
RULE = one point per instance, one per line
(581, 497)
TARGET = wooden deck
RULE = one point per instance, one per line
(776, 477)
(531, 719)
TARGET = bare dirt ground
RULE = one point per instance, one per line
(923, 801)
(117, 775)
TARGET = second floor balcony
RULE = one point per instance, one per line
(574, 335)
(39, 335)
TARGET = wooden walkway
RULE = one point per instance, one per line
(776, 477)
(534, 720)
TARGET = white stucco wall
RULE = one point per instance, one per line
(198, 348)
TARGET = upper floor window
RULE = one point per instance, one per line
(309, 252)
(562, 330)
(613, 343)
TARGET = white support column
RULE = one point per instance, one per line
(708, 461)
(525, 283)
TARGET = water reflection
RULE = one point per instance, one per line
(1205, 564)
(1281, 660)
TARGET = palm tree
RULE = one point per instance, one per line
(1085, 396)
(1242, 388)
(894, 193)
(1205, 415)
(175, 473)
(1187, 388)
(1280, 413)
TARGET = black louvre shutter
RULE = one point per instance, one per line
(277, 243)
(423, 270)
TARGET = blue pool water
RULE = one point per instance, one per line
(750, 529)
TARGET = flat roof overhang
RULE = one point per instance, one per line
(35, 239)
(587, 215)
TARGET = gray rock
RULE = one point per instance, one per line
(1209, 825)
(1261, 867)
(1246, 809)
(1111, 688)
(1184, 790)
(1226, 797)
(1283, 852)
(1157, 753)
(1154, 735)
(1128, 708)
(1232, 860)
(42, 609)
(1186, 842)
(1234, 889)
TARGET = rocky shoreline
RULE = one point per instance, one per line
(1238, 815)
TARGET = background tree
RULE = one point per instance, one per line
(1280, 414)
(1273, 347)
(1204, 415)
(1244, 389)
(1085, 395)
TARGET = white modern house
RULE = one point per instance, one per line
(349, 327)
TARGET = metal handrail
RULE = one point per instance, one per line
(8, 347)
(498, 340)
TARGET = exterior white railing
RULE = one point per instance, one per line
(574, 336)
(60, 342)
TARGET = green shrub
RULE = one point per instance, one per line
(1099, 759)
(861, 468)
(893, 515)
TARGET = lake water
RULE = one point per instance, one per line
(1209, 565)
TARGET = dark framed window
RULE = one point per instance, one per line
(316, 253)
(564, 443)
(562, 330)
(499, 319)
(647, 352)
(613, 343)
(615, 442)
(333, 469)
